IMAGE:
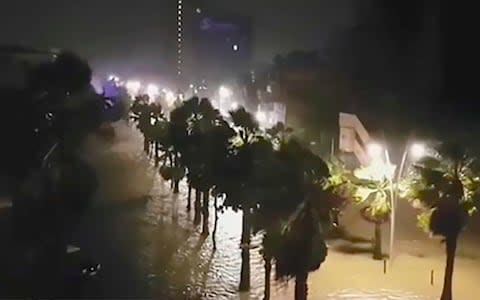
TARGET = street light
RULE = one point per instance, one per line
(416, 151)
(374, 151)
(169, 98)
(224, 92)
(152, 92)
(133, 87)
(261, 117)
(114, 78)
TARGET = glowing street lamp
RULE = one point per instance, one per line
(225, 92)
(261, 117)
(417, 150)
(375, 151)
(152, 92)
(114, 78)
(170, 98)
(133, 87)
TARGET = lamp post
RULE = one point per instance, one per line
(416, 151)
(376, 151)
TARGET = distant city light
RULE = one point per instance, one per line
(235, 47)
(133, 87)
(234, 105)
(152, 92)
(169, 98)
(198, 10)
(113, 77)
(191, 86)
(261, 117)
(224, 92)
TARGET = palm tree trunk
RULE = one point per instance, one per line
(176, 185)
(157, 160)
(206, 196)
(377, 242)
(301, 287)
(245, 246)
(268, 271)
(451, 247)
(214, 234)
(146, 144)
(189, 197)
(197, 207)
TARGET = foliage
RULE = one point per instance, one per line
(445, 188)
(302, 248)
(339, 185)
(373, 190)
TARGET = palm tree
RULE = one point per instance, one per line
(445, 188)
(178, 140)
(303, 248)
(292, 212)
(141, 114)
(373, 191)
(239, 181)
(339, 185)
(206, 143)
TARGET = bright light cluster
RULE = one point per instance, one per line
(133, 87)
(152, 91)
(225, 92)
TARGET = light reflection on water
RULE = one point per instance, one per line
(381, 294)
(198, 272)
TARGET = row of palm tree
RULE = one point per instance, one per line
(269, 176)
(289, 194)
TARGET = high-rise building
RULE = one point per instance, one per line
(222, 46)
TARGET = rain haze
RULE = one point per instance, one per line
(220, 149)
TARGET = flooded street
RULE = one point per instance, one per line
(150, 249)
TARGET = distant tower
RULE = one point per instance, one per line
(179, 37)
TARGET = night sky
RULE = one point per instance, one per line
(137, 33)
(376, 39)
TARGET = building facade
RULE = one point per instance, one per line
(222, 46)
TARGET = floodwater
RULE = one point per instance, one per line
(152, 249)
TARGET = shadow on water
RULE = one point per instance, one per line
(341, 233)
(352, 249)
